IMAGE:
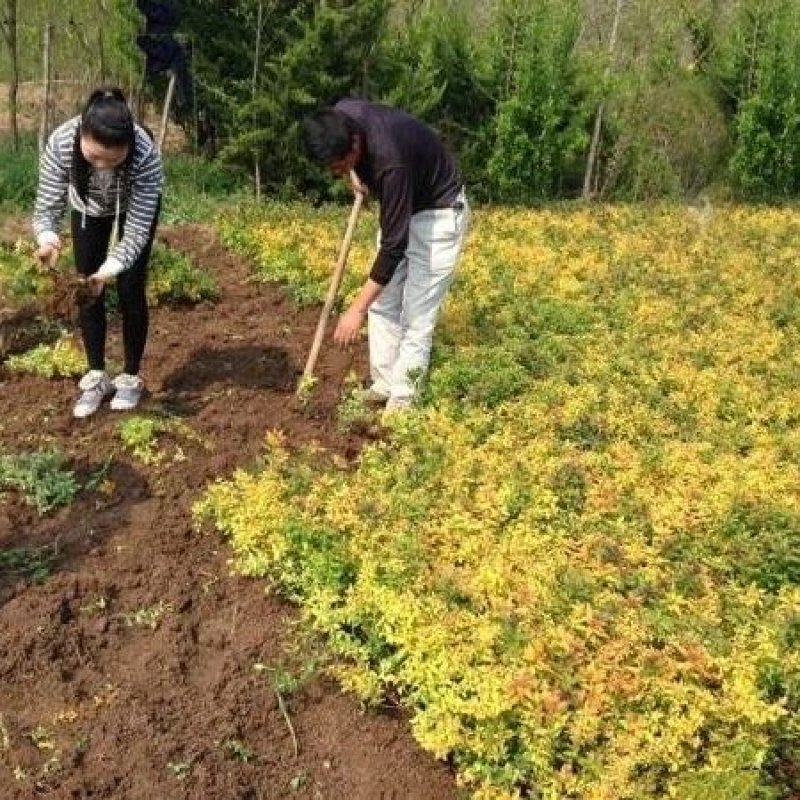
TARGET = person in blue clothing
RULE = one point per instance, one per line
(424, 217)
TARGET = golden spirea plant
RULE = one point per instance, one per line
(62, 359)
(579, 562)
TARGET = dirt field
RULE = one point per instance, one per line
(97, 703)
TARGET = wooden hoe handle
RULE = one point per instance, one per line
(336, 280)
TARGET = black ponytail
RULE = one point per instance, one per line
(108, 120)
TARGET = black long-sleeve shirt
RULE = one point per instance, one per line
(407, 168)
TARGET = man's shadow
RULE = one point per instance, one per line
(207, 369)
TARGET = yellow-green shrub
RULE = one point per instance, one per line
(21, 279)
(62, 359)
(584, 577)
(298, 248)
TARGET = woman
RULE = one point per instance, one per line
(110, 171)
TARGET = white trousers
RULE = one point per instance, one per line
(401, 320)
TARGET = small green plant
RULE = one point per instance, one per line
(41, 477)
(20, 277)
(141, 434)
(98, 478)
(239, 750)
(97, 606)
(148, 616)
(285, 682)
(80, 749)
(353, 410)
(180, 769)
(62, 359)
(175, 280)
(305, 389)
(42, 738)
(5, 738)
(298, 781)
(35, 564)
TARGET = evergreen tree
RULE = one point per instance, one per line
(538, 135)
(766, 81)
(326, 55)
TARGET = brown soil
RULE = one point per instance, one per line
(93, 705)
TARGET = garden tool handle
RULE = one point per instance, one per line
(336, 280)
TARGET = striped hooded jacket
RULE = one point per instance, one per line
(133, 191)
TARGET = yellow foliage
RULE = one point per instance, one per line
(577, 563)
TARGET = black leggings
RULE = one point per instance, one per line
(90, 243)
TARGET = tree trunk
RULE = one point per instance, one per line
(10, 35)
(594, 148)
(256, 60)
(101, 45)
(511, 57)
(101, 54)
(753, 65)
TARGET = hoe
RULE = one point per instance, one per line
(333, 289)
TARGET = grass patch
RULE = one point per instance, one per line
(195, 189)
(19, 170)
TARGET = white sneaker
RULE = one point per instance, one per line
(95, 386)
(129, 392)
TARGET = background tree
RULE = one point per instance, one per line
(538, 134)
(327, 52)
(764, 80)
(589, 177)
(9, 29)
(664, 132)
(538, 98)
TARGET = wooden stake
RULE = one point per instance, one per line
(44, 126)
(336, 280)
(165, 115)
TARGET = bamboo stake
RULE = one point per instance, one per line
(336, 280)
